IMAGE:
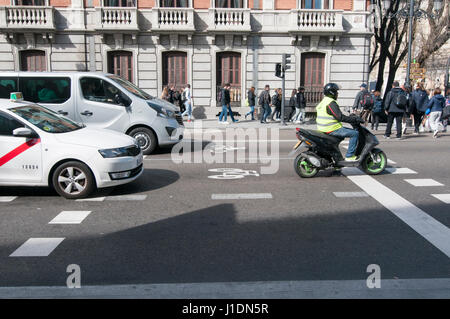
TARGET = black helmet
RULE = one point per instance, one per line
(331, 90)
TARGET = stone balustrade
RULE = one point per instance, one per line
(117, 18)
(173, 19)
(316, 20)
(231, 20)
(27, 17)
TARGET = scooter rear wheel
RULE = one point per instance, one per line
(304, 168)
(375, 163)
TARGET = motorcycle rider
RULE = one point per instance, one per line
(329, 120)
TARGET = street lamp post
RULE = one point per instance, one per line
(410, 12)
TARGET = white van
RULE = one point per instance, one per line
(100, 100)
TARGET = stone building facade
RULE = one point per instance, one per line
(206, 43)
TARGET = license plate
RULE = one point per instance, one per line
(297, 145)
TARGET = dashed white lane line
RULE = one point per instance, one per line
(423, 182)
(350, 194)
(241, 196)
(37, 247)
(445, 198)
(70, 217)
(428, 227)
(7, 199)
(397, 171)
(127, 198)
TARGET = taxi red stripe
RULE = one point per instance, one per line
(19, 150)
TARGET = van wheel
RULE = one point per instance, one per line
(145, 138)
(73, 180)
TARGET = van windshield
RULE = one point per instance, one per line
(130, 87)
(46, 120)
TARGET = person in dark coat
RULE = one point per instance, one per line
(394, 110)
(418, 105)
(251, 96)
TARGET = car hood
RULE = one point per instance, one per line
(97, 138)
(164, 104)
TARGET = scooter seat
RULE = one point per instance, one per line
(326, 137)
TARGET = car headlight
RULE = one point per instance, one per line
(114, 152)
(162, 112)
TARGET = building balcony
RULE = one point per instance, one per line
(229, 20)
(27, 18)
(310, 22)
(117, 19)
(173, 19)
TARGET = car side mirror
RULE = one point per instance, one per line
(122, 100)
(24, 132)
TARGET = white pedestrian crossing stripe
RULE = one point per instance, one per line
(445, 198)
(241, 196)
(127, 197)
(70, 217)
(37, 247)
(7, 199)
(397, 171)
(93, 199)
(423, 182)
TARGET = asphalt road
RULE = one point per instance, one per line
(177, 225)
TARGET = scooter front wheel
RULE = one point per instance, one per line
(375, 162)
(304, 168)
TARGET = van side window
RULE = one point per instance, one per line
(8, 125)
(50, 90)
(7, 85)
(98, 90)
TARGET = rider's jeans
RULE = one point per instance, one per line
(347, 132)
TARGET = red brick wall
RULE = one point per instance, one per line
(145, 4)
(201, 4)
(285, 4)
(60, 3)
(343, 5)
(5, 2)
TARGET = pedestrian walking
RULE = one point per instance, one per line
(436, 105)
(395, 105)
(276, 102)
(187, 101)
(265, 101)
(377, 110)
(299, 116)
(292, 104)
(225, 100)
(251, 98)
(418, 105)
(407, 115)
(364, 102)
(165, 94)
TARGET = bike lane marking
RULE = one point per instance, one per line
(445, 198)
(37, 247)
(241, 196)
(429, 228)
(70, 217)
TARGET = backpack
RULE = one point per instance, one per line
(378, 108)
(367, 101)
(401, 101)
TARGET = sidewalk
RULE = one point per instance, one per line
(214, 124)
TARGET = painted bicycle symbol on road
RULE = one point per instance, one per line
(231, 173)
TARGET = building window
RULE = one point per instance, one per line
(121, 63)
(174, 69)
(229, 3)
(174, 3)
(119, 3)
(313, 76)
(33, 60)
(30, 2)
(315, 4)
(228, 70)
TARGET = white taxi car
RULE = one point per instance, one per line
(39, 147)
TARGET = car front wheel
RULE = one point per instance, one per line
(73, 180)
(145, 138)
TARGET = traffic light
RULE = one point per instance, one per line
(286, 62)
(278, 70)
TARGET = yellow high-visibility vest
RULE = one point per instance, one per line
(326, 122)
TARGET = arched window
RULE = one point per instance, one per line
(33, 60)
(313, 75)
(228, 70)
(174, 69)
(121, 63)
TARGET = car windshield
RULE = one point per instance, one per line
(130, 87)
(46, 120)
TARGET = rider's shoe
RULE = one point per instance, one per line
(352, 158)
